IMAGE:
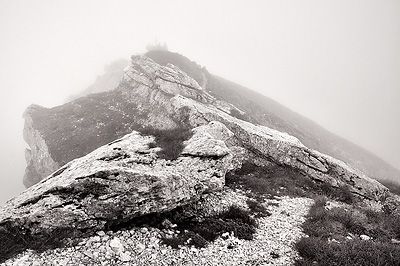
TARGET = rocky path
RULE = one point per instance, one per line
(273, 243)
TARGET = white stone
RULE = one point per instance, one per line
(365, 237)
(116, 245)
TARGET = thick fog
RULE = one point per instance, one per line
(336, 62)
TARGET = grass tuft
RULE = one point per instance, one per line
(280, 181)
(170, 141)
(324, 225)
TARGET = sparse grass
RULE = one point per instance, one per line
(236, 220)
(316, 251)
(78, 127)
(170, 141)
(185, 238)
(323, 225)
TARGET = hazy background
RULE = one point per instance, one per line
(336, 62)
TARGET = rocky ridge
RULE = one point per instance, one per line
(164, 97)
(110, 149)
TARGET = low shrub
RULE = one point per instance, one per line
(323, 225)
(170, 141)
(235, 220)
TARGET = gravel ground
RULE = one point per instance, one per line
(273, 243)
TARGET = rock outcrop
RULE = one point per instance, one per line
(164, 97)
(122, 180)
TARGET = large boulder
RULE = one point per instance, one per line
(120, 181)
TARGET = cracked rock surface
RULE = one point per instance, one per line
(118, 182)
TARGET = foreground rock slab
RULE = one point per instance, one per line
(272, 244)
(120, 181)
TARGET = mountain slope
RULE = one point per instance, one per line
(265, 111)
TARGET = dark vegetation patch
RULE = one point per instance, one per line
(257, 209)
(193, 230)
(200, 233)
(170, 141)
(79, 127)
(323, 225)
(14, 240)
(279, 180)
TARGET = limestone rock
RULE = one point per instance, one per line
(117, 182)
(208, 141)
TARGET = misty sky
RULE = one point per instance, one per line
(336, 62)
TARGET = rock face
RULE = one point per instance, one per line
(164, 97)
(122, 180)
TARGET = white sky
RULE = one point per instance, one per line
(336, 62)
